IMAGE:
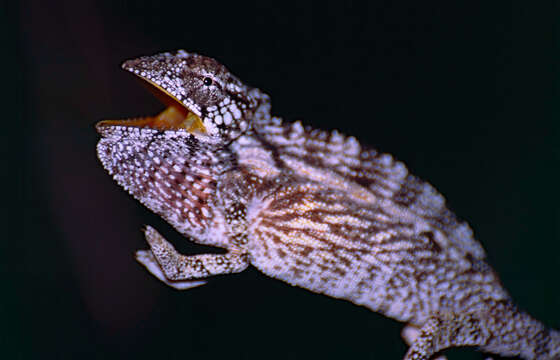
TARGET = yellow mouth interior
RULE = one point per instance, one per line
(172, 118)
(176, 116)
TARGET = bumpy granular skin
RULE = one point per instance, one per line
(313, 208)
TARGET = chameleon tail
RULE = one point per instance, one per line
(554, 344)
(516, 333)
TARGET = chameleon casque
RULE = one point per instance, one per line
(309, 207)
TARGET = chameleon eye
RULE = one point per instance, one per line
(207, 81)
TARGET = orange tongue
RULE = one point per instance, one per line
(171, 118)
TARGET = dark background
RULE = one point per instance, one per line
(464, 93)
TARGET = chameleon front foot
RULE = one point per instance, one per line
(146, 258)
(184, 272)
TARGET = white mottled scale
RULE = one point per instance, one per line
(312, 208)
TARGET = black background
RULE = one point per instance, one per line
(463, 92)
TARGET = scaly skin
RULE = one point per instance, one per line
(312, 208)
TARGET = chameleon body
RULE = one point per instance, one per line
(313, 208)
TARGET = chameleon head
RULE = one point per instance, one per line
(203, 98)
(169, 161)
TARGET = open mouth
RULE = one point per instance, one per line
(176, 116)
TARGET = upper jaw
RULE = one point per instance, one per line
(161, 75)
(164, 73)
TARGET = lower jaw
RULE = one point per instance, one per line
(172, 118)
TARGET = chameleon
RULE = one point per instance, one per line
(313, 208)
